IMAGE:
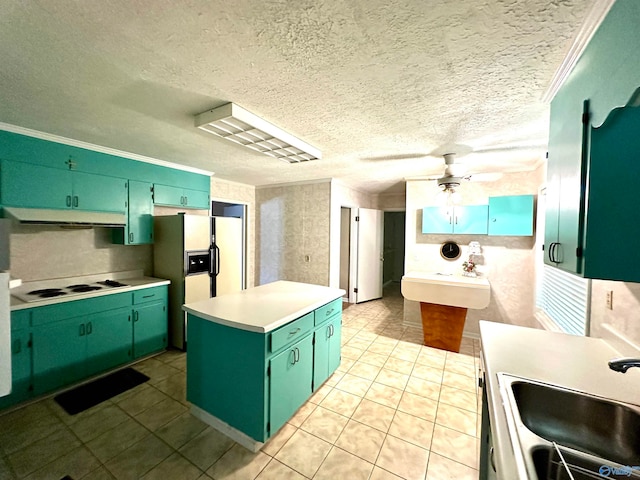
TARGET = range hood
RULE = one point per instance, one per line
(46, 216)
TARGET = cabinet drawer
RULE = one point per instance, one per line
(291, 332)
(149, 295)
(327, 311)
(79, 308)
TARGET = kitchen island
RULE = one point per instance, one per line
(254, 357)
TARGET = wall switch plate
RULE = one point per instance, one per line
(610, 299)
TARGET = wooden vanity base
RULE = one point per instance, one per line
(442, 325)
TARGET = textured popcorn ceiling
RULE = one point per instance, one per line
(375, 85)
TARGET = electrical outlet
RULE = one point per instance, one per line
(610, 299)
(307, 258)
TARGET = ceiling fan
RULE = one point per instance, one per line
(455, 173)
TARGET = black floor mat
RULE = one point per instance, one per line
(91, 394)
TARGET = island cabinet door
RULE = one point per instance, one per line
(326, 352)
(290, 381)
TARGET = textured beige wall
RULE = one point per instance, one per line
(623, 318)
(232, 192)
(508, 261)
(45, 252)
(293, 221)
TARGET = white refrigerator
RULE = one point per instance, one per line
(203, 258)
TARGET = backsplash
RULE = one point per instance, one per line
(623, 318)
(42, 252)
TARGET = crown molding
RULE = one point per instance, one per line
(98, 148)
(594, 18)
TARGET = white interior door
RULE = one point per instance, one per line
(369, 225)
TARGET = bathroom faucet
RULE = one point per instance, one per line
(623, 364)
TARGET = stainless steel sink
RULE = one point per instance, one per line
(554, 430)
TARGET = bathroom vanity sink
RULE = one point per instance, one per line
(446, 289)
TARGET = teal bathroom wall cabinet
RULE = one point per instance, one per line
(511, 215)
(469, 219)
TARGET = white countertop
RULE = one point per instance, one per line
(569, 361)
(134, 279)
(264, 308)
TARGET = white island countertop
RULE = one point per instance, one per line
(264, 308)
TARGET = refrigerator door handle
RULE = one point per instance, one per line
(217, 260)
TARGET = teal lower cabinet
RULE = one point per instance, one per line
(149, 321)
(21, 387)
(54, 346)
(108, 337)
(248, 384)
(59, 354)
(290, 383)
(326, 353)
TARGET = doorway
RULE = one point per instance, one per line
(394, 244)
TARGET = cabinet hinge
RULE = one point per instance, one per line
(355, 290)
(30, 387)
(357, 219)
(579, 252)
(268, 427)
(543, 247)
(30, 343)
(312, 385)
(268, 373)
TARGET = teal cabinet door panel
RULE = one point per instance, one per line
(149, 328)
(167, 195)
(326, 352)
(99, 193)
(109, 340)
(59, 354)
(511, 215)
(20, 368)
(140, 220)
(180, 197)
(139, 227)
(33, 186)
(290, 384)
(437, 220)
(335, 344)
(471, 219)
(321, 355)
(196, 199)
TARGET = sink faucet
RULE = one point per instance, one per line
(623, 364)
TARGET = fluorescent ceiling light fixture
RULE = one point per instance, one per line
(241, 126)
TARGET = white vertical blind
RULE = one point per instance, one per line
(565, 298)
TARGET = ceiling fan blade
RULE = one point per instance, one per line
(486, 177)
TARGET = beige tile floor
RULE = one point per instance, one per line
(394, 409)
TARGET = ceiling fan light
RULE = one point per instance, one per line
(243, 127)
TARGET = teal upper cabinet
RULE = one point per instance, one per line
(23, 185)
(612, 213)
(511, 215)
(139, 227)
(605, 77)
(470, 219)
(29, 163)
(180, 197)
(34, 186)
